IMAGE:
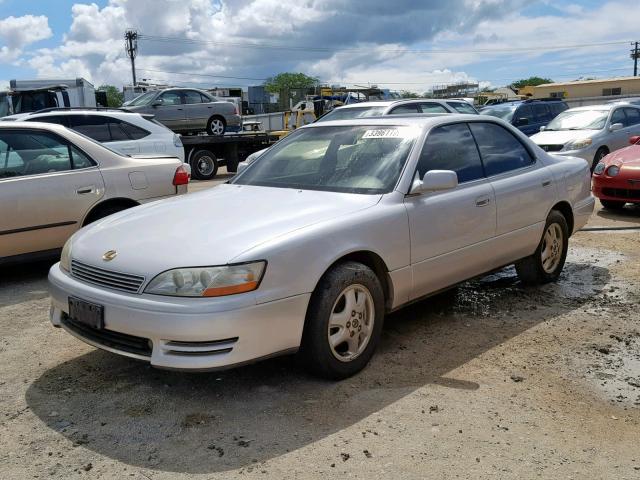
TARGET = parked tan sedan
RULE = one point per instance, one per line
(54, 181)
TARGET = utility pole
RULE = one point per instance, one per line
(635, 54)
(131, 47)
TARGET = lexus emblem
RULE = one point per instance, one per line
(109, 255)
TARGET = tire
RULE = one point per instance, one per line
(216, 126)
(534, 270)
(204, 165)
(612, 204)
(330, 299)
(600, 154)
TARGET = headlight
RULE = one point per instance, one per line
(599, 168)
(65, 256)
(613, 170)
(208, 281)
(578, 144)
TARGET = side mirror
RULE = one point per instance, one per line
(434, 181)
(157, 103)
(242, 166)
(615, 126)
(633, 140)
(522, 121)
(543, 128)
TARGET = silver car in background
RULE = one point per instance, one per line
(188, 110)
(54, 181)
(312, 244)
(398, 107)
(590, 132)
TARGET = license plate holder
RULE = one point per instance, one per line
(86, 313)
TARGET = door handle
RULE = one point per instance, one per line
(546, 183)
(483, 201)
(85, 190)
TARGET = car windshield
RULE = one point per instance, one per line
(364, 159)
(505, 112)
(579, 120)
(142, 99)
(351, 113)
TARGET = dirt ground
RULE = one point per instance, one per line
(493, 380)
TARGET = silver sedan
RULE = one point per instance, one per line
(312, 244)
(54, 180)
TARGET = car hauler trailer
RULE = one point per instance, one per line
(205, 153)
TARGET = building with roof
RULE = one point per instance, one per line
(607, 87)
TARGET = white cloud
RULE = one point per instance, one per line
(19, 32)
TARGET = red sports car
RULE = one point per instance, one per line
(616, 178)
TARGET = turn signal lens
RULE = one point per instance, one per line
(65, 257)
(613, 170)
(599, 168)
(208, 281)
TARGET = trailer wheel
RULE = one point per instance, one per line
(204, 165)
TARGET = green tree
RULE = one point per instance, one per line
(289, 80)
(115, 97)
(409, 94)
(533, 81)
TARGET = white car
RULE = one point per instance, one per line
(590, 132)
(314, 242)
(125, 132)
(53, 181)
(398, 107)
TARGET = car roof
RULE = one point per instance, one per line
(388, 103)
(419, 120)
(35, 125)
(603, 107)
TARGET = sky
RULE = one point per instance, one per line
(400, 44)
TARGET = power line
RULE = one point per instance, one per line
(199, 74)
(154, 38)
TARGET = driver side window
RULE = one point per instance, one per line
(451, 147)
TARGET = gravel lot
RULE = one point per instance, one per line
(491, 380)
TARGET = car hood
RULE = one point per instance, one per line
(629, 156)
(211, 227)
(561, 137)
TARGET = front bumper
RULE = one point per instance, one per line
(618, 189)
(587, 154)
(182, 333)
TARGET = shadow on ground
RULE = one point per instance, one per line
(24, 282)
(200, 423)
(630, 213)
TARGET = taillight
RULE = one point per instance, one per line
(181, 177)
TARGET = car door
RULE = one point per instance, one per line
(450, 229)
(171, 112)
(617, 138)
(197, 110)
(47, 185)
(632, 123)
(524, 189)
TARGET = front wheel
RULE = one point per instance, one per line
(600, 154)
(546, 264)
(612, 204)
(344, 321)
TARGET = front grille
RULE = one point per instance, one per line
(631, 193)
(551, 148)
(116, 340)
(106, 278)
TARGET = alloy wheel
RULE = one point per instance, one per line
(351, 323)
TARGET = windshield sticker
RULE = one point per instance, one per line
(383, 133)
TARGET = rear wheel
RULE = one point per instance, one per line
(600, 154)
(612, 204)
(216, 126)
(102, 212)
(546, 264)
(204, 165)
(344, 321)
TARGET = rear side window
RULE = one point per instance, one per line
(451, 147)
(58, 119)
(462, 107)
(135, 133)
(409, 108)
(191, 97)
(500, 150)
(432, 108)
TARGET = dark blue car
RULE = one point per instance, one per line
(527, 115)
